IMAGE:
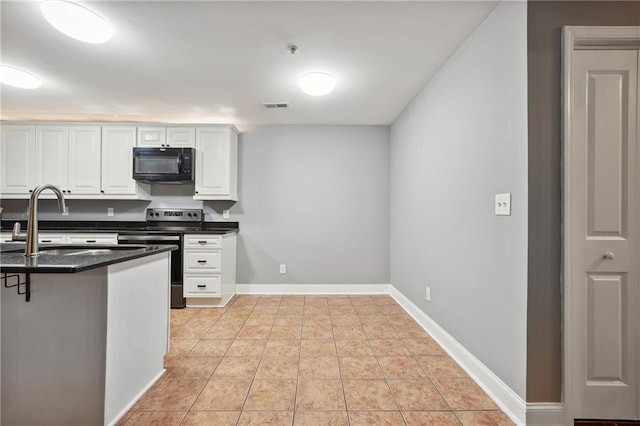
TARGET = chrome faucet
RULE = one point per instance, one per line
(31, 249)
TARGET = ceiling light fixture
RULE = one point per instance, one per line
(317, 83)
(77, 21)
(18, 78)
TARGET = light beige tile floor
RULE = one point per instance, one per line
(309, 360)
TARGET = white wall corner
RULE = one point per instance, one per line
(509, 402)
(312, 288)
(545, 414)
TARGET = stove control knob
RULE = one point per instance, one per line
(189, 214)
(150, 213)
(157, 214)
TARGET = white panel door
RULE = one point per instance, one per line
(84, 174)
(52, 153)
(17, 159)
(117, 160)
(605, 234)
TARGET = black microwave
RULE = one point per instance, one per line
(168, 165)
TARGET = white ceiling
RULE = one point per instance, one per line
(178, 61)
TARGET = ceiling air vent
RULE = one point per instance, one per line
(275, 105)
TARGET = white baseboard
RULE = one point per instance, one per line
(508, 401)
(312, 288)
(545, 414)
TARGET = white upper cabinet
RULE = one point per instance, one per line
(17, 154)
(85, 156)
(69, 157)
(52, 152)
(216, 163)
(95, 161)
(117, 162)
(152, 137)
(181, 137)
(166, 137)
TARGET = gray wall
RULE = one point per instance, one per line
(544, 21)
(317, 199)
(462, 140)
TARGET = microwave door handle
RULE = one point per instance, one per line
(179, 160)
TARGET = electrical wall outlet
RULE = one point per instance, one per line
(110, 211)
(503, 204)
(283, 268)
(225, 214)
(428, 294)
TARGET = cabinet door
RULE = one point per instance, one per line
(152, 136)
(117, 160)
(181, 137)
(52, 152)
(17, 158)
(216, 163)
(84, 160)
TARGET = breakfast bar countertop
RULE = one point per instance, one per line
(60, 258)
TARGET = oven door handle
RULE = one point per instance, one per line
(148, 238)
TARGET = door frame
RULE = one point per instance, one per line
(578, 38)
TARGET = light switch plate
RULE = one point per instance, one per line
(503, 205)
(225, 214)
(109, 211)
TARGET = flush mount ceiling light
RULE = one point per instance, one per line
(317, 83)
(18, 78)
(77, 21)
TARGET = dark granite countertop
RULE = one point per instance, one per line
(112, 226)
(12, 259)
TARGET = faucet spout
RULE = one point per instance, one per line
(31, 249)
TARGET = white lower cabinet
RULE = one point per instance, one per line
(209, 269)
(69, 238)
(97, 238)
(209, 286)
(51, 237)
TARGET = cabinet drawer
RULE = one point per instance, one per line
(52, 238)
(5, 238)
(209, 261)
(202, 286)
(92, 238)
(203, 241)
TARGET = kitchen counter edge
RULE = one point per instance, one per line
(15, 261)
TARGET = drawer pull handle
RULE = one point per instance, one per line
(202, 242)
(46, 241)
(202, 286)
(91, 241)
(202, 261)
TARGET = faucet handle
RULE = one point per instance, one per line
(15, 235)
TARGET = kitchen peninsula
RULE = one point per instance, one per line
(92, 336)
